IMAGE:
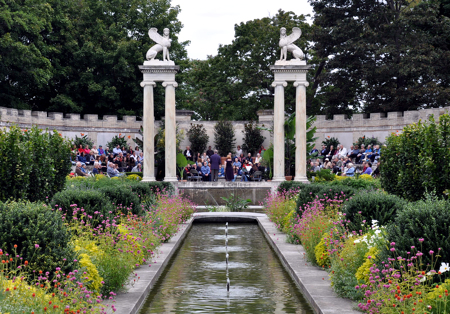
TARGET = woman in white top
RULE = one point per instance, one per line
(258, 158)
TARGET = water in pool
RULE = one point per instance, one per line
(195, 279)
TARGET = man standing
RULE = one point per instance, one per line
(215, 162)
(188, 154)
(209, 152)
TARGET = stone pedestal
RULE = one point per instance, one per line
(159, 71)
(290, 71)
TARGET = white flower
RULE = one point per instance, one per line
(444, 268)
(377, 231)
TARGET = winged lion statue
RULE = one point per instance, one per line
(162, 44)
(286, 44)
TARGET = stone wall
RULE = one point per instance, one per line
(103, 130)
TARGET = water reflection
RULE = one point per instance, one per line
(195, 280)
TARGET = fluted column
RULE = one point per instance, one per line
(278, 132)
(149, 132)
(300, 132)
(171, 129)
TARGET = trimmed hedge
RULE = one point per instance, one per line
(428, 220)
(122, 196)
(368, 206)
(90, 200)
(28, 224)
(290, 185)
(309, 192)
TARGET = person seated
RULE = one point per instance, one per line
(117, 150)
(316, 166)
(368, 169)
(94, 151)
(137, 168)
(188, 153)
(376, 153)
(141, 157)
(258, 158)
(100, 150)
(107, 151)
(241, 158)
(118, 160)
(221, 171)
(83, 168)
(91, 157)
(81, 149)
(239, 151)
(247, 171)
(342, 152)
(96, 170)
(314, 151)
(331, 152)
(249, 157)
(360, 155)
(368, 152)
(206, 172)
(327, 164)
(81, 158)
(350, 151)
(199, 169)
(376, 172)
(355, 152)
(236, 165)
(87, 151)
(324, 152)
(79, 171)
(335, 169)
(350, 170)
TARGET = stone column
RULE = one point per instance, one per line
(300, 132)
(171, 130)
(278, 132)
(149, 132)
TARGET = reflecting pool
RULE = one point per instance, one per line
(195, 279)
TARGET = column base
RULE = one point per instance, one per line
(170, 179)
(278, 179)
(302, 179)
(148, 179)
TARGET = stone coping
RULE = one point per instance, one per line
(312, 281)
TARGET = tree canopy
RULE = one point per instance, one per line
(80, 56)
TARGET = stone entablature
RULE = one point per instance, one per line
(102, 130)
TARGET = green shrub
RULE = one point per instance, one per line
(331, 141)
(122, 197)
(117, 140)
(309, 192)
(224, 137)
(290, 185)
(198, 137)
(417, 160)
(90, 200)
(367, 141)
(33, 163)
(427, 219)
(136, 173)
(28, 224)
(358, 183)
(372, 206)
(252, 139)
(83, 140)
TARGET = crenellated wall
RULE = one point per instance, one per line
(103, 130)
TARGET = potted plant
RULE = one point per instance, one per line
(182, 162)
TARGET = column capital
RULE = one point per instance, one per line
(146, 83)
(299, 83)
(166, 83)
(276, 83)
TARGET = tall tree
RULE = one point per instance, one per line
(236, 83)
(380, 55)
(93, 49)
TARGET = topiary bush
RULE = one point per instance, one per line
(417, 160)
(33, 163)
(252, 139)
(372, 206)
(427, 219)
(290, 185)
(224, 137)
(41, 237)
(122, 198)
(90, 200)
(198, 137)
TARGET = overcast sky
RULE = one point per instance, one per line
(208, 23)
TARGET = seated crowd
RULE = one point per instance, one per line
(207, 163)
(114, 163)
(342, 161)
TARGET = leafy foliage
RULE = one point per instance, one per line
(33, 163)
(427, 219)
(331, 141)
(372, 206)
(122, 198)
(70, 56)
(117, 140)
(252, 138)
(31, 224)
(367, 141)
(224, 137)
(418, 160)
(83, 140)
(198, 138)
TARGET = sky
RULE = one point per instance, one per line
(208, 23)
